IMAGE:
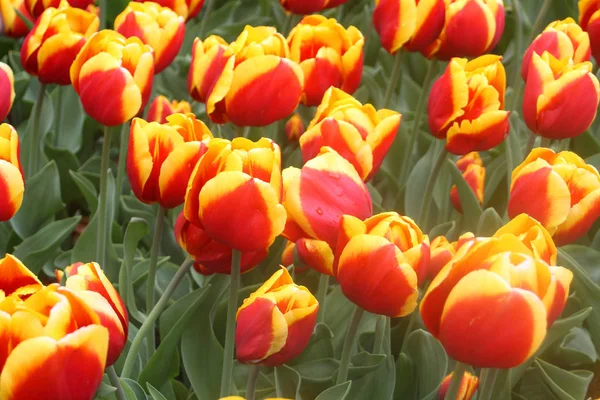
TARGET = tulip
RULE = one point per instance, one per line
(160, 161)
(160, 109)
(294, 128)
(560, 98)
(442, 252)
(113, 77)
(37, 7)
(412, 24)
(159, 27)
(7, 90)
(242, 82)
(55, 40)
(560, 191)
(466, 105)
(588, 19)
(276, 322)
(494, 281)
(563, 39)
(533, 235)
(328, 54)
(188, 9)
(309, 6)
(287, 257)
(16, 279)
(90, 283)
(210, 256)
(12, 179)
(472, 28)
(359, 133)
(473, 171)
(11, 23)
(241, 398)
(228, 172)
(468, 387)
(315, 198)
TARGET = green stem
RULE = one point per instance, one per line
(34, 156)
(234, 286)
(285, 29)
(457, 377)
(545, 142)
(251, 385)
(322, 296)
(537, 25)
(349, 343)
(380, 332)
(209, 6)
(428, 196)
(148, 324)
(530, 143)
(102, 6)
(518, 42)
(116, 382)
(103, 230)
(151, 278)
(487, 381)
(57, 115)
(393, 82)
(122, 163)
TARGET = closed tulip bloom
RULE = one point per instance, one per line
(276, 322)
(315, 198)
(533, 235)
(467, 389)
(11, 23)
(559, 190)
(242, 82)
(472, 28)
(7, 90)
(210, 256)
(473, 171)
(37, 7)
(159, 27)
(466, 105)
(442, 252)
(294, 128)
(12, 181)
(160, 160)
(359, 133)
(560, 98)
(113, 76)
(161, 108)
(563, 39)
(228, 172)
(589, 19)
(309, 6)
(55, 40)
(410, 24)
(188, 9)
(16, 279)
(494, 281)
(328, 54)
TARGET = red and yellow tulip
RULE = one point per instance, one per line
(188, 9)
(12, 181)
(294, 128)
(473, 171)
(408, 24)
(37, 7)
(7, 90)
(161, 108)
(589, 19)
(12, 24)
(276, 322)
(467, 389)
(561, 98)
(160, 159)
(328, 54)
(315, 198)
(533, 235)
(442, 252)
(228, 172)
(113, 76)
(466, 105)
(359, 133)
(559, 190)
(242, 82)
(309, 6)
(50, 48)
(159, 27)
(563, 39)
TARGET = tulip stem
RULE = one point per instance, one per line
(234, 287)
(102, 222)
(58, 114)
(545, 142)
(116, 382)
(349, 344)
(381, 327)
(393, 82)
(322, 296)
(251, 385)
(102, 6)
(34, 155)
(150, 280)
(457, 377)
(487, 380)
(208, 10)
(148, 324)
(122, 162)
(537, 25)
(530, 143)
(428, 196)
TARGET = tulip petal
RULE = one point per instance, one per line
(12, 188)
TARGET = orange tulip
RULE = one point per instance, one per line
(113, 77)
(559, 190)
(589, 19)
(188, 9)
(473, 171)
(159, 27)
(276, 322)
(12, 182)
(294, 128)
(242, 82)
(467, 389)
(466, 105)
(560, 98)
(413, 24)
(50, 48)
(309, 6)
(160, 109)
(328, 54)
(11, 23)
(7, 90)
(37, 7)
(359, 133)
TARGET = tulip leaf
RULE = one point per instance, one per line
(405, 389)
(495, 174)
(488, 223)
(548, 382)
(87, 189)
(69, 119)
(287, 382)
(66, 162)
(319, 346)
(46, 118)
(441, 229)
(105, 389)
(165, 275)
(156, 395)
(594, 161)
(133, 390)
(585, 145)
(373, 377)
(429, 361)
(34, 213)
(468, 200)
(415, 185)
(575, 350)
(338, 392)
(136, 229)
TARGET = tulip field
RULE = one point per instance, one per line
(299, 200)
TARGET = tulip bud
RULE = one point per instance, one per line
(309, 6)
(467, 389)
(159, 27)
(276, 322)
(16, 279)
(11, 174)
(160, 109)
(7, 90)
(473, 171)
(11, 23)
(37, 7)
(589, 19)
(188, 9)
(294, 128)
(442, 252)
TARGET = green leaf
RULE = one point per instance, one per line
(338, 392)
(156, 395)
(379, 383)
(547, 382)
(87, 189)
(405, 389)
(66, 162)
(488, 223)
(575, 350)
(70, 118)
(45, 121)
(37, 249)
(320, 345)
(287, 381)
(105, 389)
(132, 389)
(415, 185)
(135, 231)
(429, 360)
(468, 200)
